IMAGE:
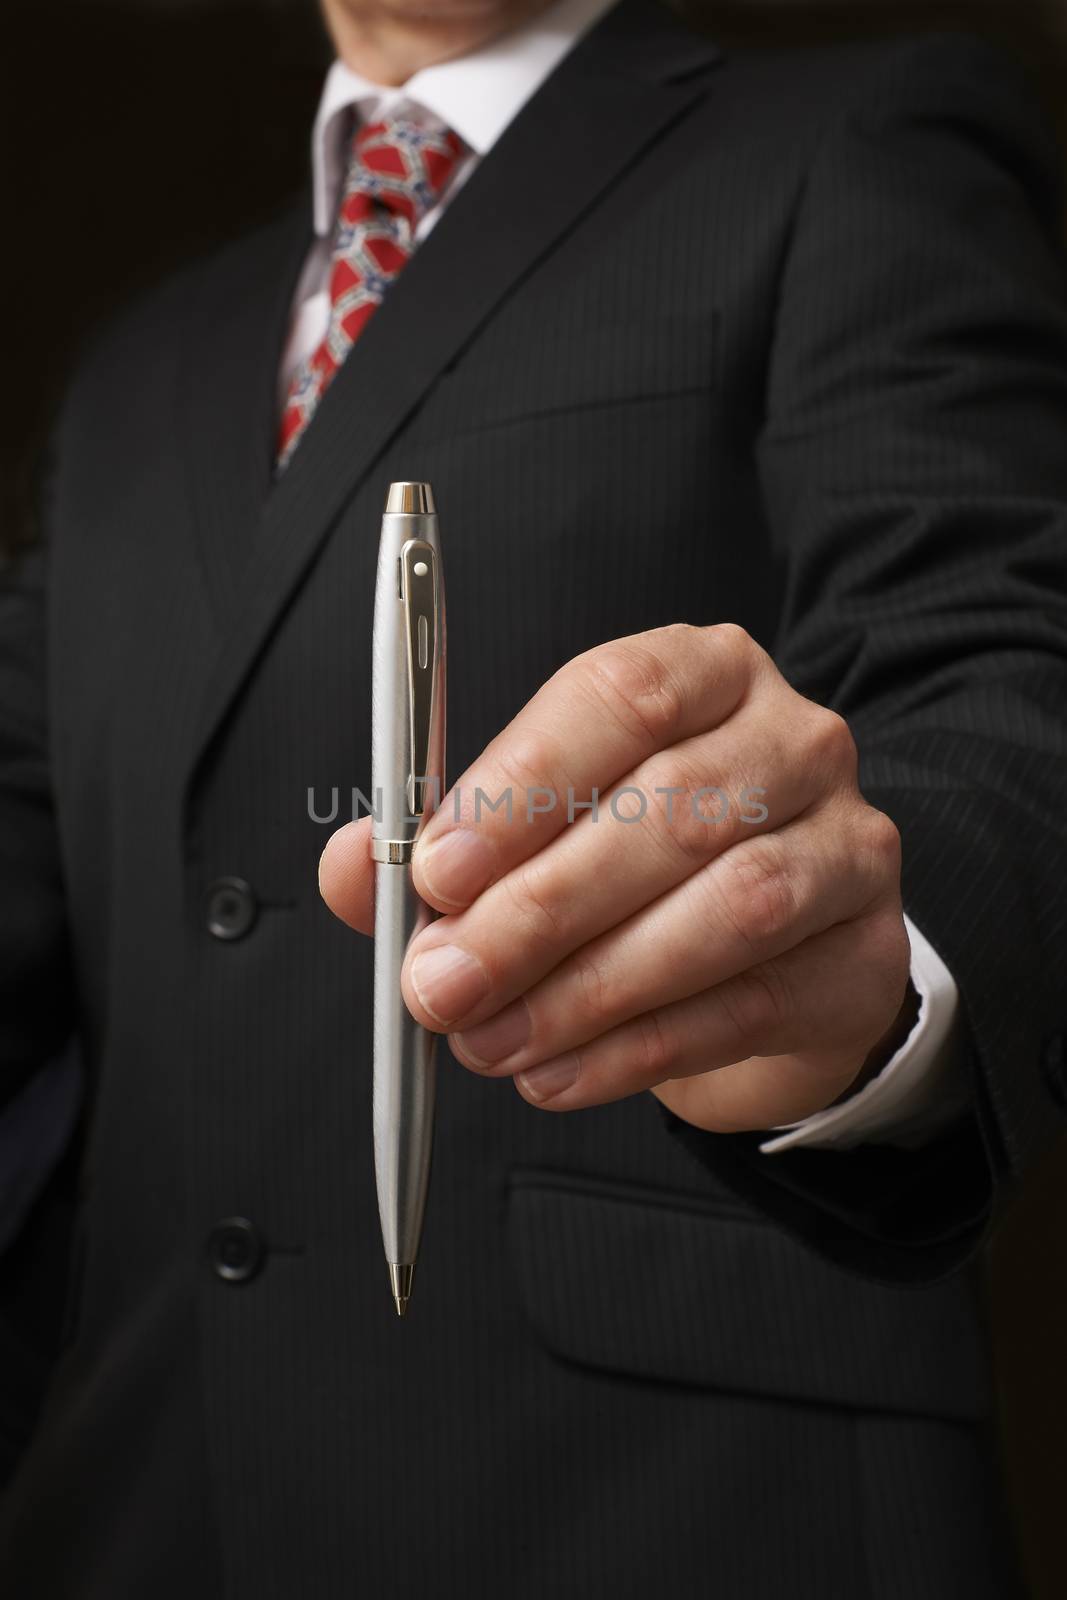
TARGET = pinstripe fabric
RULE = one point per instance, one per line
(789, 348)
(731, 1303)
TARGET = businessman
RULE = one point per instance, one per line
(741, 379)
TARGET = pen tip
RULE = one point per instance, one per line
(400, 1276)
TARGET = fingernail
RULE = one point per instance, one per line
(501, 1036)
(448, 981)
(551, 1077)
(457, 866)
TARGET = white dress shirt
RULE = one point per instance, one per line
(477, 95)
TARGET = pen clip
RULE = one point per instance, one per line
(419, 598)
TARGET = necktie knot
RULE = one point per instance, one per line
(401, 166)
(398, 170)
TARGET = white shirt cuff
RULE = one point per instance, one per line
(919, 1089)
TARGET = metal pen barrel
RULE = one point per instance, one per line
(407, 779)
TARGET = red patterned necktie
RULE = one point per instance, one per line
(397, 172)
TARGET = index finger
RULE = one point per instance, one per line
(595, 720)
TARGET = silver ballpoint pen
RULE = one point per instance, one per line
(407, 777)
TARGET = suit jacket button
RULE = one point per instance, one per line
(231, 908)
(235, 1249)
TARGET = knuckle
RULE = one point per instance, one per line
(595, 988)
(892, 953)
(758, 1004)
(879, 977)
(636, 685)
(731, 637)
(658, 1047)
(737, 652)
(831, 746)
(674, 634)
(883, 844)
(528, 760)
(755, 892)
(541, 919)
(687, 808)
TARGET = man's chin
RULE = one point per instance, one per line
(443, 14)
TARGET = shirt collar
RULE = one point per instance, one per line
(476, 95)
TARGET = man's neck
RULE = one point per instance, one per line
(390, 50)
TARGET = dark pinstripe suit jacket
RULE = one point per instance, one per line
(779, 339)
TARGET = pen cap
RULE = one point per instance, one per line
(408, 697)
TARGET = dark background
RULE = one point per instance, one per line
(140, 132)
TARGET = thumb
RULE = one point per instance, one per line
(346, 875)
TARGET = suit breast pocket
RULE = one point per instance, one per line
(662, 1289)
(543, 365)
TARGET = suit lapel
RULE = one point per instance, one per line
(619, 90)
(228, 395)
